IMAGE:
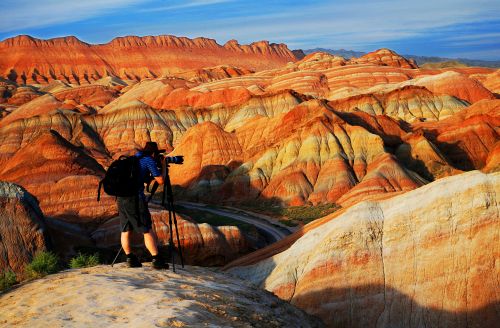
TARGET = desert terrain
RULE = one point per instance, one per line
(405, 157)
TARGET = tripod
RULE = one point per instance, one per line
(169, 205)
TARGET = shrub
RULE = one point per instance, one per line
(43, 263)
(7, 279)
(306, 214)
(84, 261)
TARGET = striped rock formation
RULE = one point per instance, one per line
(489, 80)
(22, 228)
(319, 160)
(317, 130)
(468, 137)
(73, 61)
(428, 257)
(385, 57)
(63, 177)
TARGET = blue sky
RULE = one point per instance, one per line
(447, 28)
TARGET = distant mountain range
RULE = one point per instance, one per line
(419, 59)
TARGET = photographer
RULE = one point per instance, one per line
(134, 213)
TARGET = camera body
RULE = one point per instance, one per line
(174, 159)
(160, 158)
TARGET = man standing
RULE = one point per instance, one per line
(134, 213)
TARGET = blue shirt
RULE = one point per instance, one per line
(147, 165)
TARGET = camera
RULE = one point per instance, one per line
(168, 159)
(174, 159)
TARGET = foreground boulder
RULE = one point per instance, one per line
(425, 258)
(142, 297)
(22, 228)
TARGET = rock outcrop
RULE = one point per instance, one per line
(385, 57)
(22, 228)
(428, 257)
(143, 297)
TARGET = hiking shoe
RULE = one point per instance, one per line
(159, 264)
(133, 261)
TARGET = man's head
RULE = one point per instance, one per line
(151, 149)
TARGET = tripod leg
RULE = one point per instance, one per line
(177, 233)
(171, 239)
(121, 247)
(117, 254)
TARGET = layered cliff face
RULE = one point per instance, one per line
(319, 130)
(22, 228)
(427, 257)
(131, 58)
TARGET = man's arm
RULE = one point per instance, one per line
(155, 173)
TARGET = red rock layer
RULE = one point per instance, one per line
(385, 57)
(456, 84)
(41, 105)
(73, 61)
(204, 145)
(92, 96)
(22, 95)
(468, 138)
(408, 103)
(318, 160)
(61, 176)
(491, 80)
(22, 228)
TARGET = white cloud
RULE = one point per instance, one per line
(354, 24)
(476, 36)
(348, 24)
(185, 4)
(19, 14)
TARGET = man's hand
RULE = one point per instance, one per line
(159, 180)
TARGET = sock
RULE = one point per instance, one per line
(129, 255)
(154, 256)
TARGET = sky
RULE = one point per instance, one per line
(445, 28)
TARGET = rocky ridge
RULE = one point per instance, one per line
(73, 61)
(348, 268)
(143, 297)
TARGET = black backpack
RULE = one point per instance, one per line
(122, 179)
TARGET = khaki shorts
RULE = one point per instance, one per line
(135, 211)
